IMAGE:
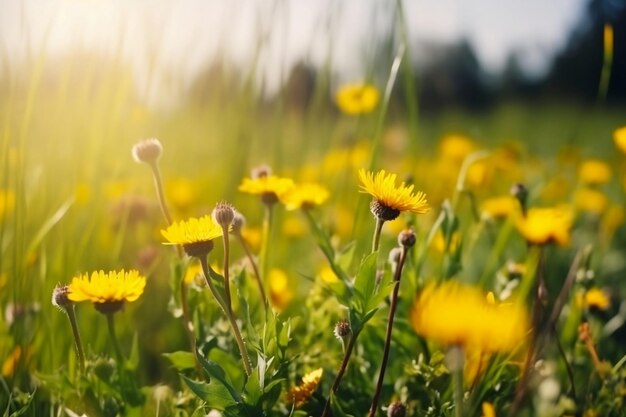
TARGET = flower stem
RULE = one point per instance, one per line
(392, 313)
(377, 232)
(158, 185)
(255, 269)
(455, 358)
(188, 324)
(245, 358)
(116, 347)
(267, 227)
(342, 370)
(226, 241)
(77, 342)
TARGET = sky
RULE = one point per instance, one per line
(179, 36)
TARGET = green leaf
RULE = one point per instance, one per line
(214, 394)
(323, 241)
(133, 361)
(216, 372)
(181, 360)
(365, 281)
(253, 388)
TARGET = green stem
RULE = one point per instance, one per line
(188, 324)
(456, 358)
(267, 227)
(245, 358)
(158, 185)
(116, 347)
(255, 270)
(77, 342)
(377, 232)
(225, 240)
(340, 373)
(392, 313)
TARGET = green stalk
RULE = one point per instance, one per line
(116, 347)
(341, 372)
(255, 270)
(267, 228)
(71, 315)
(226, 242)
(379, 228)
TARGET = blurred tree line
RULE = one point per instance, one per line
(453, 75)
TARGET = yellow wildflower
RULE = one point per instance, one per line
(499, 207)
(107, 290)
(304, 196)
(619, 137)
(594, 172)
(280, 292)
(488, 410)
(270, 187)
(194, 269)
(457, 314)
(597, 298)
(299, 394)
(7, 202)
(590, 200)
(357, 99)
(546, 225)
(456, 148)
(389, 200)
(195, 235)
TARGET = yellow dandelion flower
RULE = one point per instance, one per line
(389, 200)
(300, 394)
(589, 200)
(597, 298)
(546, 225)
(456, 147)
(457, 314)
(499, 207)
(107, 290)
(594, 172)
(357, 99)
(195, 235)
(619, 137)
(304, 196)
(270, 187)
(280, 292)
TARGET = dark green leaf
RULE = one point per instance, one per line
(181, 360)
(214, 394)
(217, 374)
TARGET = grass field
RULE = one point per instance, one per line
(505, 333)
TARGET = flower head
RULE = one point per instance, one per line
(357, 99)
(619, 137)
(148, 151)
(499, 207)
(591, 200)
(305, 196)
(546, 225)
(389, 200)
(107, 290)
(195, 235)
(270, 187)
(457, 314)
(597, 298)
(299, 394)
(594, 172)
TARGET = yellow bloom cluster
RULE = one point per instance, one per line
(193, 230)
(357, 99)
(456, 314)
(546, 225)
(299, 394)
(107, 287)
(382, 187)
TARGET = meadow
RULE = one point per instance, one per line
(495, 238)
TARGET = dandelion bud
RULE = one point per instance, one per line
(396, 409)
(223, 214)
(407, 238)
(148, 151)
(238, 222)
(59, 297)
(342, 330)
(520, 192)
(261, 171)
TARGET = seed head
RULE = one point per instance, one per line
(59, 297)
(223, 214)
(342, 329)
(407, 238)
(148, 151)
(396, 409)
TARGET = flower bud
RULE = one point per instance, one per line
(342, 329)
(407, 238)
(223, 214)
(59, 297)
(148, 151)
(396, 409)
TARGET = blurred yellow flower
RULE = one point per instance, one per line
(294, 226)
(613, 218)
(304, 196)
(194, 269)
(269, 187)
(546, 225)
(499, 207)
(456, 148)
(457, 314)
(619, 137)
(7, 202)
(346, 158)
(389, 200)
(597, 298)
(299, 394)
(10, 363)
(488, 410)
(590, 200)
(181, 193)
(479, 173)
(253, 237)
(328, 275)
(439, 242)
(112, 287)
(594, 172)
(356, 99)
(280, 293)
